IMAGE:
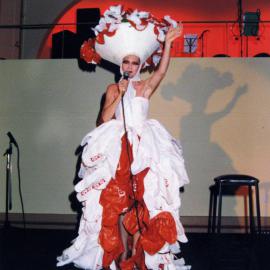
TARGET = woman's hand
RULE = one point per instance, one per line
(122, 87)
(174, 33)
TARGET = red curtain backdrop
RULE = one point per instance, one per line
(221, 38)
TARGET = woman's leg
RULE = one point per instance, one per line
(135, 240)
(124, 237)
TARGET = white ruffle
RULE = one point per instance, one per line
(166, 258)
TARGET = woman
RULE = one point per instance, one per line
(131, 171)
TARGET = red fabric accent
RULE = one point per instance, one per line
(109, 257)
(139, 182)
(137, 260)
(149, 60)
(139, 257)
(109, 34)
(127, 265)
(156, 30)
(144, 23)
(88, 53)
(110, 238)
(129, 11)
(115, 199)
(161, 229)
(100, 37)
(130, 220)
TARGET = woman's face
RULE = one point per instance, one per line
(131, 64)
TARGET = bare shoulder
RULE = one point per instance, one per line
(112, 87)
(111, 93)
(112, 90)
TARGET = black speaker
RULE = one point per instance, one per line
(87, 18)
(65, 44)
(251, 23)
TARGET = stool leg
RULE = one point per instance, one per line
(258, 208)
(214, 210)
(210, 215)
(251, 217)
(219, 206)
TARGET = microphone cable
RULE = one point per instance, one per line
(129, 159)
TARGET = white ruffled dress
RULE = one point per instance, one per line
(152, 147)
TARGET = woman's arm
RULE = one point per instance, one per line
(153, 82)
(114, 93)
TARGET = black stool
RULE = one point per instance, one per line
(216, 191)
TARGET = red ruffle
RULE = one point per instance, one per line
(116, 199)
(88, 53)
(144, 23)
(161, 229)
(100, 37)
(131, 221)
(127, 265)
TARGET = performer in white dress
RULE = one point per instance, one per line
(132, 168)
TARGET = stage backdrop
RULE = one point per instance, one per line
(218, 108)
(219, 39)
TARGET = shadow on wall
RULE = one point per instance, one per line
(204, 159)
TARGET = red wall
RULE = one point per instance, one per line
(222, 38)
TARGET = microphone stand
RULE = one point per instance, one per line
(8, 154)
(129, 159)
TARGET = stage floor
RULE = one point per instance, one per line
(37, 249)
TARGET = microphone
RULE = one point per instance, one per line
(126, 75)
(12, 139)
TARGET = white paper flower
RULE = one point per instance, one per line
(113, 27)
(113, 14)
(116, 9)
(100, 27)
(161, 35)
(143, 14)
(159, 50)
(134, 17)
(170, 21)
(156, 58)
(109, 18)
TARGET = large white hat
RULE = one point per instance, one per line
(121, 33)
